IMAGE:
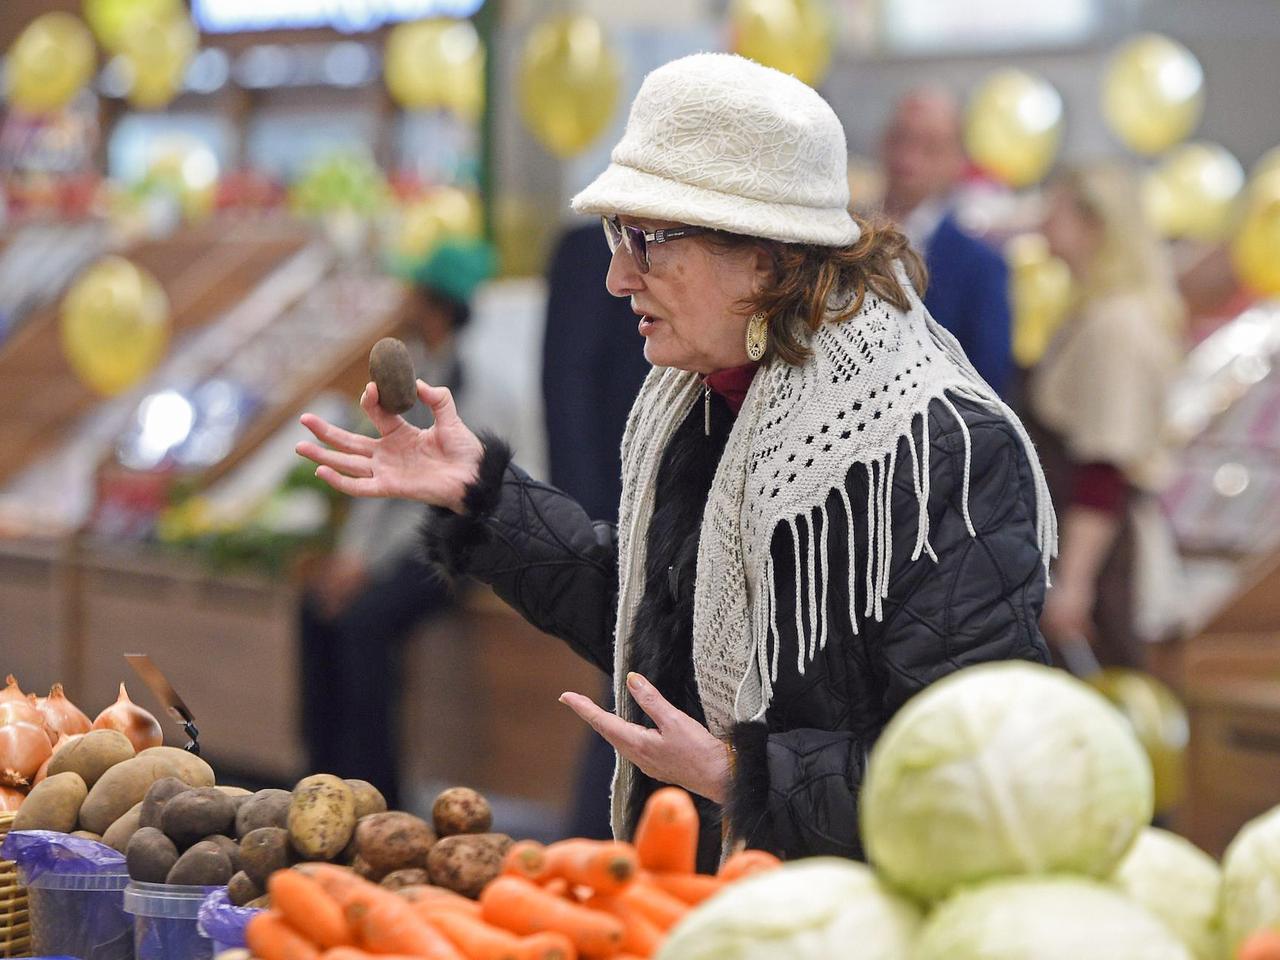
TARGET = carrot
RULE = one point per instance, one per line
(355, 953)
(559, 887)
(336, 881)
(641, 935)
(658, 906)
(306, 906)
(524, 908)
(746, 862)
(386, 923)
(477, 939)
(603, 865)
(692, 888)
(270, 938)
(1263, 945)
(526, 858)
(428, 900)
(548, 945)
(667, 836)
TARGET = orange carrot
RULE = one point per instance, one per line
(641, 935)
(477, 939)
(746, 862)
(667, 835)
(526, 858)
(524, 908)
(270, 938)
(427, 900)
(603, 865)
(547, 945)
(558, 886)
(355, 953)
(1263, 945)
(336, 881)
(386, 923)
(306, 906)
(658, 906)
(692, 888)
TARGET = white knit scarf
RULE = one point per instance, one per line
(800, 432)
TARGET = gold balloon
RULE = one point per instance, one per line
(793, 36)
(110, 19)
(1153, 93)
(1013, 127)
(436, 64)
(1039, 293)
(1255, 251)
(115, 325)
(1267, 164)
(49, 63)
(446, 213)
(569, 83)
(1193, 191)
(157, 51)
(1160, 722)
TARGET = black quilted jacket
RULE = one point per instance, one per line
(796, 783)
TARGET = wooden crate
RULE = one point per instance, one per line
(34, 613)
(226, 643)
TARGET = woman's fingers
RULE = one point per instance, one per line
(624, 736)
(383, 421)
(336, 437)
(652, 702)
(440, 400)
(351, 464)
(351, 486)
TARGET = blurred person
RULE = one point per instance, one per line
(1098, 402)
(793, 560)
(377, 586)
(590, 377)
(924, 160)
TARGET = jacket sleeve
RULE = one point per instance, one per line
(537, 548)
(798, 775)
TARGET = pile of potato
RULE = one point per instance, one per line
(325, 819)
(96, 784)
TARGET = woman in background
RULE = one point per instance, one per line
(1098, 400)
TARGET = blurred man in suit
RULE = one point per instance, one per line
(924, 160)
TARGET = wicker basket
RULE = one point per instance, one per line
(15, 922)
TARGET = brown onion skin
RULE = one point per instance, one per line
(142, 729)
(11, 691)
(22, 752)
(61, 716)
(10, 799)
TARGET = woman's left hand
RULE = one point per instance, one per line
(680, 751)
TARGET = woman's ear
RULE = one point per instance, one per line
(763, 267)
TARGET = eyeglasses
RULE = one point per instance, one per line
(637, 241)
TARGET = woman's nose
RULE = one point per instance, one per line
(624, 277)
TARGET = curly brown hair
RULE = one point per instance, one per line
(807, 275)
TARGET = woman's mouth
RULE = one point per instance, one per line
(647, 324)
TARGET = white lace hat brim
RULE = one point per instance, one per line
(631, 192)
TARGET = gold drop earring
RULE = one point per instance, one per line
(757, 336)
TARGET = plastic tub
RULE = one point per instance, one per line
(80, 915)
(164, 921)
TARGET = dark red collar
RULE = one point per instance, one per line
(732, 384)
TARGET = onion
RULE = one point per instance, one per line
(61, 715)
(20, 711)
(10, 799)
(23, 747)
(142, 729)
(12, 691)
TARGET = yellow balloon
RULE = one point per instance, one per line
(1160, 722)
(110, 18)
(447, 213)
(115, 325)
(1268, 163)
(1039, 294)
(436, 64)
(1256, 249)
(1153, 93)
(49, 63)
(793, 36)
(1193, 191)
(1013, 127)
(157, 51)
(569, 83)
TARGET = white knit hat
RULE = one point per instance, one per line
(715, 140)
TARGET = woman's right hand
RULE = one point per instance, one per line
(434, 466)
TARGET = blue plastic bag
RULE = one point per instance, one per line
(37, 852)
(222, 921)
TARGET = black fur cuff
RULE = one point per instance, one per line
(449, 538)
(748, 807)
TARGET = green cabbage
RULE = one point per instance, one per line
(1001, 770)
(1251, 880)
(1178, 883)
(816, 909)
(1045, 918)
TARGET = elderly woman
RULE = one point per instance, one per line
(824, 508)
